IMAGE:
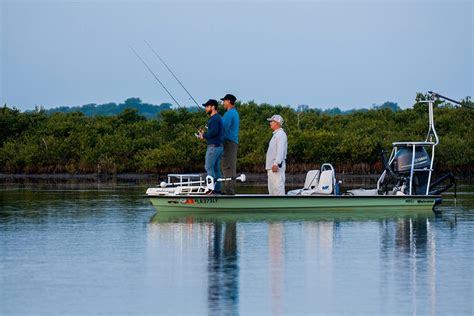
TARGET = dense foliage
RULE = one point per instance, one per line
(151, 110)
(38, 142)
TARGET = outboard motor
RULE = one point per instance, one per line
(403, 158)
(401, 166)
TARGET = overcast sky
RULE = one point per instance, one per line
(349, 54)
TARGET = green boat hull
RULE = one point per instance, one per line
(263, 203)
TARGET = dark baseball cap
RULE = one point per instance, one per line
(211, 102)
(229, 97)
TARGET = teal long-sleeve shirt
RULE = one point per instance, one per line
(231, 122)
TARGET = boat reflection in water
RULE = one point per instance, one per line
(223, 268)
(277, 258)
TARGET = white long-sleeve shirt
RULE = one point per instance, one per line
(277, 148)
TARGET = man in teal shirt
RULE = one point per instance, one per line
(231, 124)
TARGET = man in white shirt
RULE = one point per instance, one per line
(276, 155)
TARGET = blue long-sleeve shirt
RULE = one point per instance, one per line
(215, 131)
(231, 122)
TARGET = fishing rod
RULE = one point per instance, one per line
(163, 62)
(151, 71)
(437, 95)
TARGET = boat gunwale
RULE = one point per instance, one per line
(238, 196)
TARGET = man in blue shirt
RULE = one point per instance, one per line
(215, 139)
(231, 122)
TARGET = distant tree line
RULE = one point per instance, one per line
(43, 142)
(151, 111)
(147, 110)
(337, 111)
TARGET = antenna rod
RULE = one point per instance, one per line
(161, 59)
(151, 71)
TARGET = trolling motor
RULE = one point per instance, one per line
(189, 184)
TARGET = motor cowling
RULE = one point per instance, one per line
(403, 159)
(401, 165)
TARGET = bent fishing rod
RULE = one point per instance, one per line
(172, 73)
(151, 71)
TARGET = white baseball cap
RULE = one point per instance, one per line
(277, 118)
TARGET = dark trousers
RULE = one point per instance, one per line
(229, 166)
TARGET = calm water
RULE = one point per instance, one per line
(95, 248)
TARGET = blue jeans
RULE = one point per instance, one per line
(213, 164)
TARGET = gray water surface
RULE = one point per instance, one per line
(94, 249)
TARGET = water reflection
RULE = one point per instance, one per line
(410, 244)
(277, 262)
(223, 268)
(404, 241)
(55, 244)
